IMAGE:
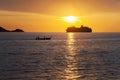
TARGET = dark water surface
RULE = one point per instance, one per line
(87, 56)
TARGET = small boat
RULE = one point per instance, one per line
(43, 38)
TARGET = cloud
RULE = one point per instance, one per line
(24, 14)
(104, 5)
(45, 6)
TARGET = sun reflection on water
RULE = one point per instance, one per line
(71, 72)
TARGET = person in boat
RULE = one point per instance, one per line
(37, 38)
(44, 38)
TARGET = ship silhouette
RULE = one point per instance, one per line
(81, 29)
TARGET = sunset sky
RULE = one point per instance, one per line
(46, 15)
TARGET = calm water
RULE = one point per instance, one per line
(87, 56)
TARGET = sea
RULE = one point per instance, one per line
(67, 56)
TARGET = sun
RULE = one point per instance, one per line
(70, 19)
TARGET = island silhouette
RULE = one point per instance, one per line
(81, 29)
(5, 30)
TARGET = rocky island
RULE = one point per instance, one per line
(16, 30)
(81, 29)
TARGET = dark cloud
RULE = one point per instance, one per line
(104, 5)
(43, 6)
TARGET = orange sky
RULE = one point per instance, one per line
(45, 15)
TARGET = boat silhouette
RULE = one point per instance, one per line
(81, 29)
(43, 38)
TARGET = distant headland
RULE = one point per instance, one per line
(81, 29)
(16, 30)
